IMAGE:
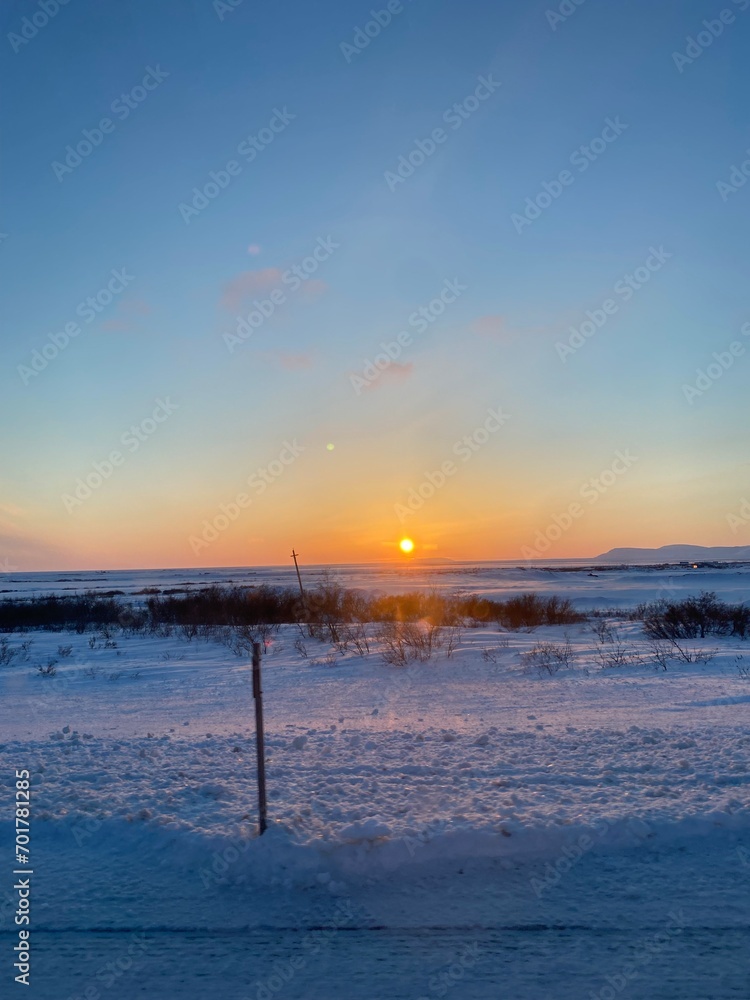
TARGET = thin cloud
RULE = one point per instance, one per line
(295, 362)
(288, 361)
(395, 372)
(128, 313)
(312, 289)
(247, 284)
(135, 307)
(494, 328)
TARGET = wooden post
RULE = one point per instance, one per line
(299, 578)
(259, 738)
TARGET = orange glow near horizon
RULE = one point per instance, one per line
(359, 513)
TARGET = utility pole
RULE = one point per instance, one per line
(259, 738)
(299, 578)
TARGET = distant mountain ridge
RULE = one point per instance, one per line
(679, 553)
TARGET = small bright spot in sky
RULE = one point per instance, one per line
(330, 446)
(406, 545)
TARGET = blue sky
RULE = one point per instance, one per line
(228, 72)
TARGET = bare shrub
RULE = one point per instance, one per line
(661, 653)
(549, 657)
(355, 636)
(329, 660)
(602, 630)
(7, 652)
(241, 638)
(323, 610)
(693, 618)
(404, 642)
(530, 610)
(694, 654)
(188, 631)
(612, 650)
(492, 654)
(450, 639)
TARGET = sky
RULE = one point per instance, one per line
(329, 276)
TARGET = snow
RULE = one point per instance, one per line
(460, 750)
(590, 583)
(550, 822)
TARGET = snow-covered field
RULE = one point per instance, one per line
(589, 584)
(472, 826)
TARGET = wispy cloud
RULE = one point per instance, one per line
(295, 362)
(395, 372)
(12, 510)
(495, 328)
(247, 284)
(288, 361)
(128, 312)
(312, 289)
(135, 307)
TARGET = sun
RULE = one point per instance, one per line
(406, 545)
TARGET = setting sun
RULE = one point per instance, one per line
(406, 545)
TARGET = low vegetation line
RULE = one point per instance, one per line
(327, 605)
